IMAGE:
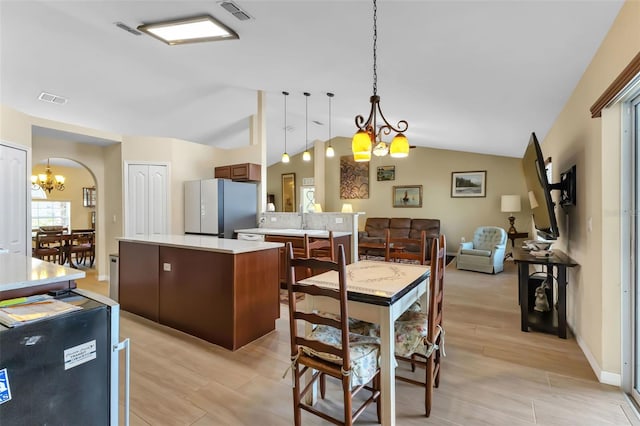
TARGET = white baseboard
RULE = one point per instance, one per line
(103, 277)
(605, 377)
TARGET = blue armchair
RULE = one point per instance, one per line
(485, 253)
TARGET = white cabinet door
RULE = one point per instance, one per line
(13, 200)
(146, 200)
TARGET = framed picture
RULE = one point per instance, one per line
(386, 173)
(288, 192)
(407, 196)
(469, 184)
(89, 197)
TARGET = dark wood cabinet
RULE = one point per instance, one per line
(245, 172)
(224, 298)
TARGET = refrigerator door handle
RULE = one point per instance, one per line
(126, 345)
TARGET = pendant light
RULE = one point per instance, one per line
(330, 152)
(306, 155)
(368, 131)
(285, 156)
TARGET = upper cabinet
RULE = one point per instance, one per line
(246, 172)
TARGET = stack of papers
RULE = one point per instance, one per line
(23, 310)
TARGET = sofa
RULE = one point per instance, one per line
(375, 230)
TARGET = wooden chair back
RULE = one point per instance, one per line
(83, 245)
(319, 248)
(436, 303)
(295, 315)
(49, 245)
(320, 367)
(396, 249)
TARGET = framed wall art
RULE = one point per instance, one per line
(354, 179)
(407, 196)
(288, 192)
(89, 197)
(386, 173)
(469, 184)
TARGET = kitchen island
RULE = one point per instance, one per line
(221, 290)
(22, 275)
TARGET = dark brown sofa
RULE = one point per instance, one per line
(376, 227)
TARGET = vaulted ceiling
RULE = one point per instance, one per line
(474, 76)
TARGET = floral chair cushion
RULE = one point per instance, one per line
(363, 352)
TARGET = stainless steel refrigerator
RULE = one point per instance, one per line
(219, 206)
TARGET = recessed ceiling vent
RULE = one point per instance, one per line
(233, 9)
(127, 28)
(54, 99)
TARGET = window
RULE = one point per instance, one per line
(50, 213)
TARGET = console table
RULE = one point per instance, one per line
(513, 236)
(554, 321)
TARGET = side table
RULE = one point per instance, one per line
(555, 320)
(513, 236)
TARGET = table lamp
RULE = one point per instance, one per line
(510, 204)
(347, 208)
(271, 207)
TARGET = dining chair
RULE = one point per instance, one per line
(419, 337)
(319, 248)
(330, 349)
(83, 245)
(399, 249)
(49, 246)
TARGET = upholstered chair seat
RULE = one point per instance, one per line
(485, 253)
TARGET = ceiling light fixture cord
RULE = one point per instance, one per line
(306, 119)
(375, 48)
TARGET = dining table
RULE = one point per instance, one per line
(377, 292)
(65, 241)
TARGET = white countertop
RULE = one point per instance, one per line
(20, 271)
(204, 242)
(292, 232)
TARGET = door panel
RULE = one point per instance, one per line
(13, 200)
(147, 200)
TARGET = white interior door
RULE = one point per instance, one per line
(14, 200)
(146, 200)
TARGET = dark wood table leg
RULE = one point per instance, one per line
(523, 292)
(562, 301)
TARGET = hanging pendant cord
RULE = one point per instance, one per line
(285, 120)
(306, 120)
(375, 48)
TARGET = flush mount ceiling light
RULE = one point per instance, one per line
(189, 30)
(369, 131)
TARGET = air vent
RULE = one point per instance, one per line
(54, 99)
(127, 28)
(233, 9)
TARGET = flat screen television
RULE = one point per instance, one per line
(539, 190)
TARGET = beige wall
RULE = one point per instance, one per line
(594, 146)
(432, 169)
(76, 178)
(302, 169)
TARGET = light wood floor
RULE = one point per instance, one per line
(493, 374)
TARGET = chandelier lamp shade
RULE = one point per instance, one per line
(47, 180)
(330, 152)
(285, 156)
(369, 130)
(306, 155)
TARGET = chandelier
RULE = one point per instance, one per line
(47, 180)
(370, 131)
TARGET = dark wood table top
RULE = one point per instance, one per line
(557, 257)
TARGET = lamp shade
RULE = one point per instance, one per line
(317, 207)
(347, 208)
(532, 200)
(399, 146)
(361, 146)
(510, 203)
(271, 207)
